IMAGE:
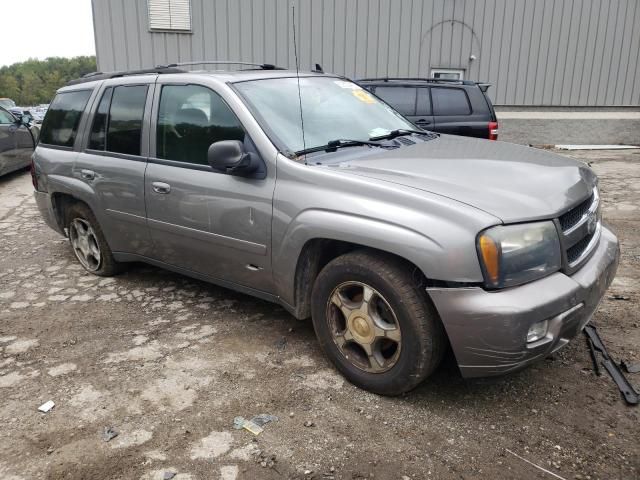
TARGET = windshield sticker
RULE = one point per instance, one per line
(347, 85)
(379, 132)
(363, 96)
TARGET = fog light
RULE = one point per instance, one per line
(537, 331)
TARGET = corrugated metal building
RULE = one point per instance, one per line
(534, 52)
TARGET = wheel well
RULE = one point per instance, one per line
(61, 203)
(319, 252)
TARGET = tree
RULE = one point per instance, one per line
(36, 81)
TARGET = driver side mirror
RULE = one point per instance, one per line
(25, 119)
(230, 156)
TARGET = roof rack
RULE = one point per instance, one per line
(163, 69)
(411, 79)
(261, 66)
(93, 76)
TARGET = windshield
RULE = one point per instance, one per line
(331, 109)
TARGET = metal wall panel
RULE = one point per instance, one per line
(534, 52)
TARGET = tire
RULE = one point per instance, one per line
(103, 264)
(396, 303)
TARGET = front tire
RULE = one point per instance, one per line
(375, 323)
(88, 242)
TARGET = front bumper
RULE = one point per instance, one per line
(487, 329)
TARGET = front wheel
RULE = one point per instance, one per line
(375, 322)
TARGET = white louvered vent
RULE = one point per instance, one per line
(170, 15)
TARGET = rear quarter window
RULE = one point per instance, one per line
(60, 125)
(450, 101)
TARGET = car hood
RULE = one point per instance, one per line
(512, 182)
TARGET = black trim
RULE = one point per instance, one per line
(55, 147)
(177, 163)
(124, 156)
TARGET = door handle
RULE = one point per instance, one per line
(422, 121)
(87, 174)
(161, 187)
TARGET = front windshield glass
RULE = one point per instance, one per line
(332, 109)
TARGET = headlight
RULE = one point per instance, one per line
(515, 254)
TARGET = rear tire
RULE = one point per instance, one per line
(88, 242)
(375, 323)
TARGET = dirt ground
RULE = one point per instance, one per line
(168, 362)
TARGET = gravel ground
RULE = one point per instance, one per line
(168, 362)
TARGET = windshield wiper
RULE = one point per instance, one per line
(333, 145)
(399, 133)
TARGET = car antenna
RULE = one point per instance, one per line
(295, 53)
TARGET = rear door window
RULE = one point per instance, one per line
(403, 99)
(124, 131)
(60, 125)
(450, 101)
(98, 136)
(190, 119)
(117, 123)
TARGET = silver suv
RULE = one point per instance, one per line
(312, 193)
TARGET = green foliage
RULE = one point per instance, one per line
(36, 81)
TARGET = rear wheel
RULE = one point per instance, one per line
(88, 242)
(375, 323)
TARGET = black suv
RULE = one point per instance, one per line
(458, 107)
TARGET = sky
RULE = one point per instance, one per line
(46, 28)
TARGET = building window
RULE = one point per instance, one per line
(447, 73)
(170, 15)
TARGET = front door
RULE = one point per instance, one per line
(210, 223)
(113, 161)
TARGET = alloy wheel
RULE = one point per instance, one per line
(85, 244)
(364, 327)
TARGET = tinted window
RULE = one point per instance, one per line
(403, 99)
(190, 119)
(99, 128)
(60, 125)
(124, 130)
(6, 117)
(423, 106)
(450, 101)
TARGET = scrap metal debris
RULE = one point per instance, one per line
(254, 425)
(630, 367)
(597, 347)
(47, 406)
(109, 433)
(168, 475)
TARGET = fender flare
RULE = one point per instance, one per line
(311, 224)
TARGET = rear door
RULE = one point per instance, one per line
(204, 221)
(453, 113)
(113, 161)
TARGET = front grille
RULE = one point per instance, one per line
(573, 253)
(574, 215)
(580, 226)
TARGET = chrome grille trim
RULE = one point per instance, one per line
(580, 237)
(595, 202)
(589, 248)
